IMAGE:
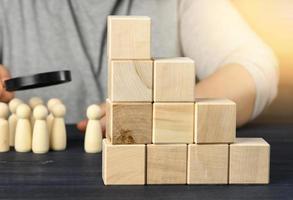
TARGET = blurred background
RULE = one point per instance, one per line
(273, 21)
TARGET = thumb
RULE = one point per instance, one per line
(5, 96)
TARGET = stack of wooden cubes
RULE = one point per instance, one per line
(157, 132)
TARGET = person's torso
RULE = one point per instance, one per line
(40, 36)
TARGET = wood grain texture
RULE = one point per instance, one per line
(173, 123)
(249, 161)
(123, 164)
(109, 113)
(76, 175)
(174, 79)
(109, 74)
(129, 123)
(129, 37)
(207, 164)
(215, 121)
(131, 80)
(166, 164)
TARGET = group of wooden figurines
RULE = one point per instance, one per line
(38, 128)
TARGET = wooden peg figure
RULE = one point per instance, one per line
(23, 131)
(4, 128)
(58, 132)
(50, 117)
(12, 120)
(93, 134)
(40, 131)
(33, 102)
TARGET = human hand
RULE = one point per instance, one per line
(82, 124)
(5, 96)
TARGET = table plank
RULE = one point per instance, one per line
(76, 175)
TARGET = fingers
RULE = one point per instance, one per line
(103, 108)
(103, 118)
(5, 96)
(103, 125)
(82, 125)
(4, 73)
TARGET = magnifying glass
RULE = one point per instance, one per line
(37, 80)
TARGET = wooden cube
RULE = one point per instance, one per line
(108, 119)
(129, 123)
(131, 80)
(207, 163)
(173, 123)
(123, 164)
(166, 163)
(174, 80)
(249, 161)
(215, 121)
(129, 37)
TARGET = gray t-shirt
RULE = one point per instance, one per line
(39, 36)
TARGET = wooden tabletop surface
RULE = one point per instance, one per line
(73, 174)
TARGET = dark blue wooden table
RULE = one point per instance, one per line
(73, 174)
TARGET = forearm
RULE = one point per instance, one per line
(215, 40)
(233, 82)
